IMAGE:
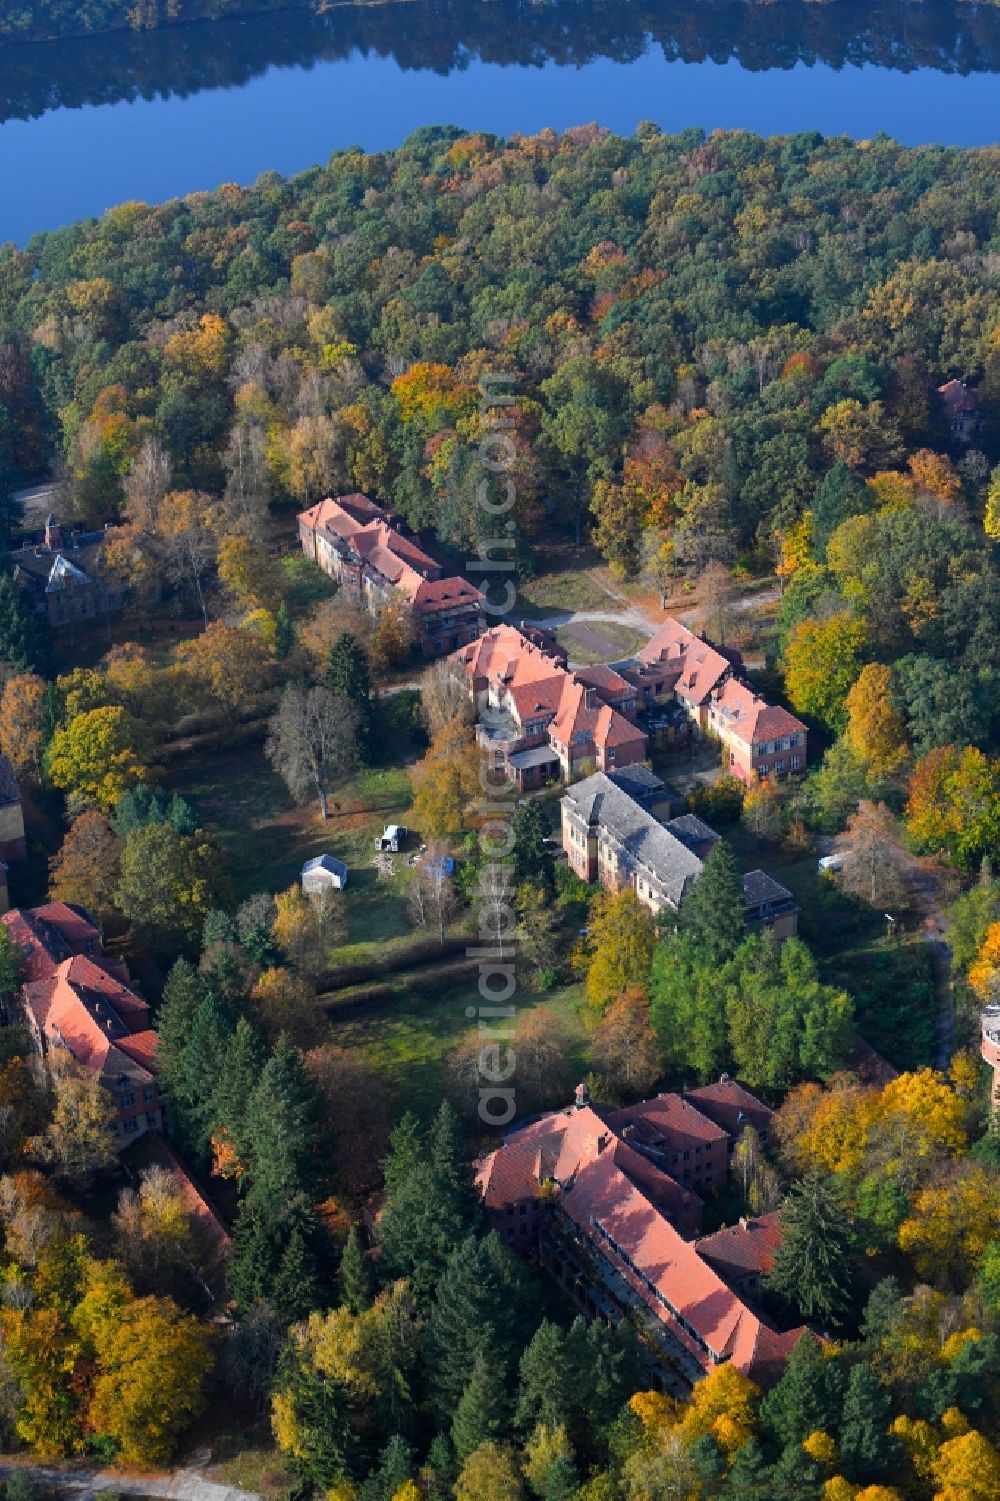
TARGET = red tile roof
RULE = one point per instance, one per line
(671, 1118)
(45, 936)
(444, 594)
(700, 666)
(91, 1013)
(731, 1106)
(742, 1251)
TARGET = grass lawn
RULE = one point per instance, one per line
(599, 641)
(267, 839)
(407, 1040)
(567, 578)
(891, 979)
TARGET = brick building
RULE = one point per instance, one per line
(353, 540)
(678, 667)
(538, 720)
(75, 999)
(610, 1201)
(62, 573)
(614, 840)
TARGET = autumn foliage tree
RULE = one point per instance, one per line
(22, 725)
(621, 944)
(822, 661)
(876, 730)
(98, 756)
(86, 869)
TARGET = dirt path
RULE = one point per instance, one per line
(649, 621)
(181, 1485)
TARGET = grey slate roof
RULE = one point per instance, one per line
(760, 889)
(326, 862)
(690, 829)
(637, 779)
(671, 863)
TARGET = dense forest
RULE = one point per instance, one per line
(724, 357)
(924, 31)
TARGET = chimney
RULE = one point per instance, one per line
(53, 533)
(590, 698)
(582, 1097)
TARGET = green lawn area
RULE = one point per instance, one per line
(891, 979)
(565, 580)
(408, 1039)
(621, 641)
(267, 839)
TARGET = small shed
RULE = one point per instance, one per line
(325, 873)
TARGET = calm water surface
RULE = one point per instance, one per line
(87, 124)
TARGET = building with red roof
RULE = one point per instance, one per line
(680, 667)
(76, 1000)
(538, 720)
(353, 540)
(961, 409)
(589, 1189)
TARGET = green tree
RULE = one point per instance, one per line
(348, 677)
(808, 1397)
(23, 640)
(481, 1413)
(868, 1452)
(711, 912)
(812, 1270)
(533, 861)
(547, 1392)
(688, 1007)
(355, 1276)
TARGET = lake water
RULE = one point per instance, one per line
(86, 124)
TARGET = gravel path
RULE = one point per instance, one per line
(181, 1485)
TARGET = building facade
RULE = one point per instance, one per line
(610, 1202)
(537, 720)
(352, 540)
(676, 666)
(613, 840)
(78, 1004)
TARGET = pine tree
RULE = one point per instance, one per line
(812, 1269)
(749, 1478)
(480, 1306)
(325, 1447)
(868, 1451)
(281, 1130)
(563, 1482)
(355, 1275)
(395, 1468)
(296, 1290)
(347, 676)
(711, 912)
(423, 1218)
(200, 1069)
(242, 1066)
(440, 1470)
(840, 494)
(449, 1157)
(532, 858)
(284, 633)
(23, 639)
(482, 1409)
(808, 1397)
(548, 1385)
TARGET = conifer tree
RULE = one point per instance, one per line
(295, 1291)
(749, 1478)
(243, 1064)
(449, 1157)
(868, 1451)
(547, 1392)
(711, 912)
(355, 1276)
(811, 1269)
(480, 1305)
(281, 1131)
(23, 641)
(193, 1082)
(284, 632)
(347, 676)
(808, 1397)
(482, 1409)
(531, 856)
(325, 1448)
(395, 1468)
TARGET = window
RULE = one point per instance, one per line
(131, 1124)
(150, 1117)
(795, 763)
(127, 1100)
(779, 765)
(149, 1093)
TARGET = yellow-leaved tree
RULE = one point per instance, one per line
(98, 756)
